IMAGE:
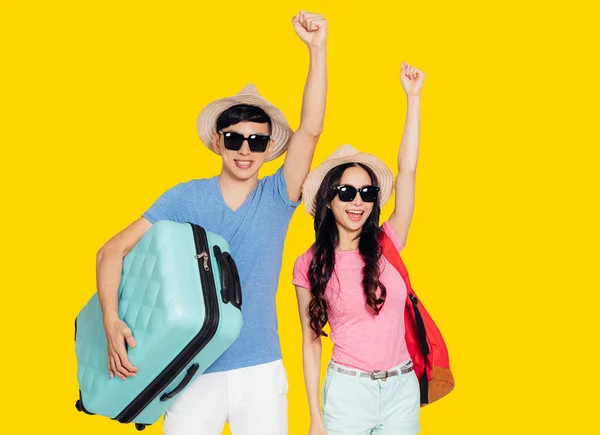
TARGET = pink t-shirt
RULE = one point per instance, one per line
(362, 339)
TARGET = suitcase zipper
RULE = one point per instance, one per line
(207, 332)
(204, 256)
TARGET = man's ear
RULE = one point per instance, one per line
(217, 143)
(270, 147)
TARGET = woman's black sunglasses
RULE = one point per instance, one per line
(257, 142)
(348, 193)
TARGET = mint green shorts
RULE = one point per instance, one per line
(354, 405)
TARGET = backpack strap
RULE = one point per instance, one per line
(393, 256)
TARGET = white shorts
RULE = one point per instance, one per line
(252, 399)
(354, 405)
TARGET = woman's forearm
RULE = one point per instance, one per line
(409, 147)
(311, 356)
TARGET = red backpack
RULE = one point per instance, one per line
(423, 338)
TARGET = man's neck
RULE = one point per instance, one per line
(234, 190)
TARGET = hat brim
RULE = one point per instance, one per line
(281, 132)
(313, 181)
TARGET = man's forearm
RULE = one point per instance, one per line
(109, 265)
(315, 93)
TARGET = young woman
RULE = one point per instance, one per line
(344, 280)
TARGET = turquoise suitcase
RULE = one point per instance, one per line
(181, 297)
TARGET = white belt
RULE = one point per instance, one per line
(375, 374)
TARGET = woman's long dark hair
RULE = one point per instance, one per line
(327, 238)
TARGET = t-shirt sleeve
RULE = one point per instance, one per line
(301, 271)
(168, 206)
(389, 230)
(280, 188)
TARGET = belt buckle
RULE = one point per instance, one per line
(378, 374)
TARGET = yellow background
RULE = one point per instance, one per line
(99, 103)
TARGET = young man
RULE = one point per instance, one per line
(247, 385)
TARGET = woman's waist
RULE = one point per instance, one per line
(378, 355)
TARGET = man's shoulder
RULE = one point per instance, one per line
(271, 177)
(193, 185)
(275, 185)
(199, 182)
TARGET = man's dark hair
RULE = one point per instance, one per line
(242, 113)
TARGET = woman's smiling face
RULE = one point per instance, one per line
(352, 215)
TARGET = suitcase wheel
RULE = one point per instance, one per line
(140, 426)
(78, 406)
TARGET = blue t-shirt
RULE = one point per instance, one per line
(256, 233)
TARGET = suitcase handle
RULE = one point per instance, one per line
(231, 289)
(188, 377)
(237, 287)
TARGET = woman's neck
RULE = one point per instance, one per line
(348, 240)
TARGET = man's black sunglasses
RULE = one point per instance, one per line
(348, 193)
(257, 142)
